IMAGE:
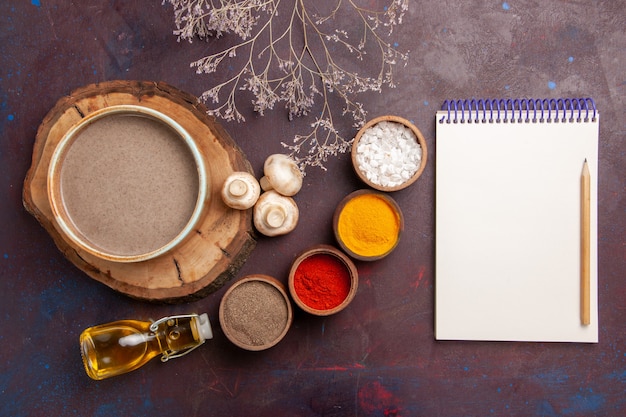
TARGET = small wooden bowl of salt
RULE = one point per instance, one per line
(389, 153)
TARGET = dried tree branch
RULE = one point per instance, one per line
(294, 61)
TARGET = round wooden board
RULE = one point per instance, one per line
(221, 242)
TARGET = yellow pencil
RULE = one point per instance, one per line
(585, 313)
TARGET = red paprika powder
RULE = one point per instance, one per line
(322, 281)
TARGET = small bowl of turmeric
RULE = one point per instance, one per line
(368, 224)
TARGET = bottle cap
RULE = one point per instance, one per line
(204, 327)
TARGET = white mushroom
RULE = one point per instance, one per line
(275, 214)
(241, 190)
(281, 174)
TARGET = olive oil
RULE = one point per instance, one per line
(125, 345)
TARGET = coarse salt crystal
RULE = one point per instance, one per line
(388, 154)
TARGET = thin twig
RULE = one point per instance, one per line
(297, 63)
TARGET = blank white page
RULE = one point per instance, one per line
(508, 230)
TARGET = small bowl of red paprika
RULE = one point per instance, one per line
(323, 280)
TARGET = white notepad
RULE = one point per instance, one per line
(508, 220)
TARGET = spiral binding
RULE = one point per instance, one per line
(519, 110)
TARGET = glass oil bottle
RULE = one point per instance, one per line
(122, 346)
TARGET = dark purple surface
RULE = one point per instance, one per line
(379, 356)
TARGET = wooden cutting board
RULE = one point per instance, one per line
(221, 242)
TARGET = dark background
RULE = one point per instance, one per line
(378, 357)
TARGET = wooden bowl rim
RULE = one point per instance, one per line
(393, 203)
(420, 139)
(323, 249)
(273, 282)
(55, 196)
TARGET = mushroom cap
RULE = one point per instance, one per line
(281, 174)
(275, 214)
(241, 190)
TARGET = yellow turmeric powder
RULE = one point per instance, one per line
(369, 225)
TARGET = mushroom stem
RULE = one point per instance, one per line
(266, 185)
(275, 217)
(237, 188)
